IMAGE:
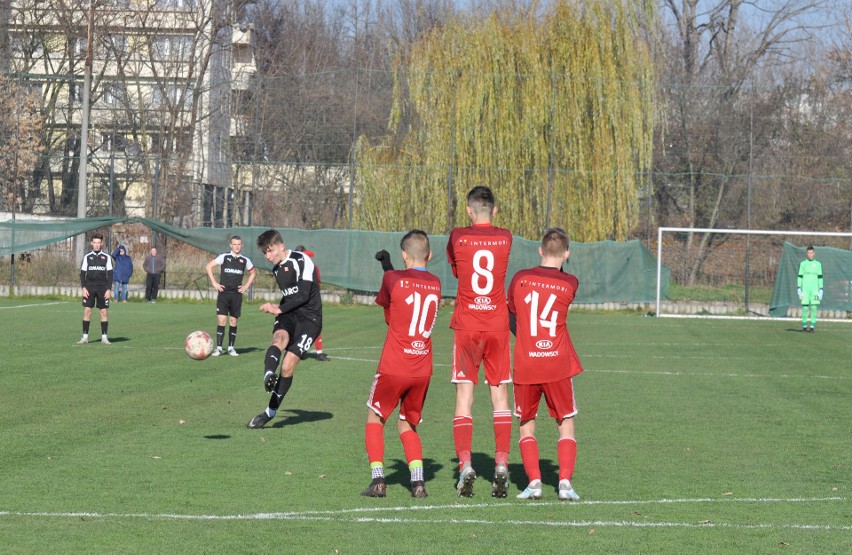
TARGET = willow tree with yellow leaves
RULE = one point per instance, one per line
(553, 111)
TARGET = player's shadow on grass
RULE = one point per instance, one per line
(242, 351)
(484, 466)
(398, 473)
(549, 474)
(296, 416)
(112, 340)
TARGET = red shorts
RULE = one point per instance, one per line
(472, 348)
(558, 395)
(389, 390)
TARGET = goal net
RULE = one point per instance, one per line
(736, 273)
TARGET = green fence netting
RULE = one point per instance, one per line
(837, 278)
(18, 236)
(608, 271)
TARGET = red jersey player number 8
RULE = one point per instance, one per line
(482, 272)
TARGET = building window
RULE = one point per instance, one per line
(116, 44)
(75, 92)
(172, 96)
(242, 54)
(80, 45)
(114, 94)
(172, 47)
(113, 142)
(179, 4)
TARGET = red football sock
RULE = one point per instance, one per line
(463, 437)
(374, 438)
(502, 435)
(318, 343)
(412, 446)
(566, 452)
(529, 454)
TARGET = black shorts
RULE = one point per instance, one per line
(97, 297)
(302, 333)
(229, 302)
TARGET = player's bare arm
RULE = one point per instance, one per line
(216, 285)
(271, 308)
(244, 287)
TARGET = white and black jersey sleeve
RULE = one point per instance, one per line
(300, 288)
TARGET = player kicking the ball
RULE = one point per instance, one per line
(298, 319)
(410, 298)
(545, 360)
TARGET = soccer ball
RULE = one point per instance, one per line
(198, 345)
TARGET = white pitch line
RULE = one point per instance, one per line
(355, 515)
(594, 523)
(715, 375)
(33, 305)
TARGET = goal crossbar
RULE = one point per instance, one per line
(662, 230)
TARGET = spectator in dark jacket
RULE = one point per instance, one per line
(122, 270)
(154, 265)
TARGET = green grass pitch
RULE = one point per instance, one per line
(694, 436)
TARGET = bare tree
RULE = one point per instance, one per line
(5, 52)
(20, 140)
(323, 79)
(709, 53)
(151, 76)
(162, 82)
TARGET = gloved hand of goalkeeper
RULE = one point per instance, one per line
(819, 294)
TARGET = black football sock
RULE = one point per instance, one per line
(86, 327)
(272, 360)
(281, 390)
(232, 336)
(104, 327)
(220, 335)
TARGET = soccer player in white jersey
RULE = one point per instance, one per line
(95, 282)
(229, 301)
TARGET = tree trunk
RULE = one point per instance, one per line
(704, 245)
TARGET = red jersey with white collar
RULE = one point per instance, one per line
(410, 299)
(479, 256)
(539, 298)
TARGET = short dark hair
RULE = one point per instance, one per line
(268, 239)
(300, 248)
(97, 236)
(810, 248)
(481, 199)
(237, 237)
(416, 244)
(555, 241)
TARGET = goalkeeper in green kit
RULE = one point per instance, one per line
(809, 289)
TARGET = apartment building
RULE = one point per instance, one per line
(164, 75)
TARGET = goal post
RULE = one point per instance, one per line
(740, 273)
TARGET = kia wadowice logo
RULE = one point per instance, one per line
(418, 344)
(482, 300)
(544, 344)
